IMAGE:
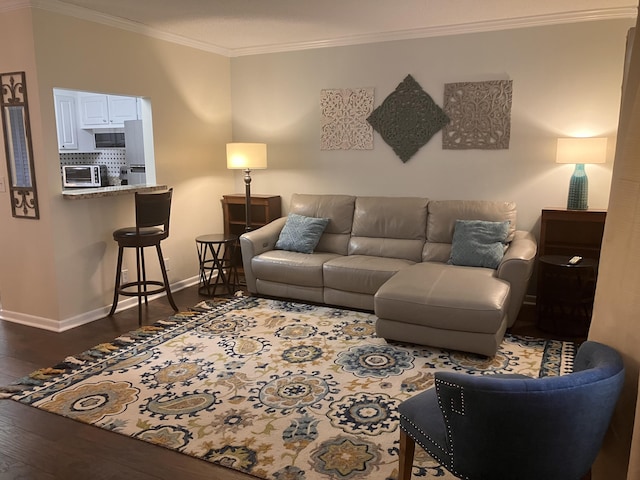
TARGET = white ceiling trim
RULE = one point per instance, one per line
(123, 24)
(473, 27)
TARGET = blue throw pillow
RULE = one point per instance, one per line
(477, 243)
(300, 233)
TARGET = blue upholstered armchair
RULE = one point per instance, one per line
(513, 427)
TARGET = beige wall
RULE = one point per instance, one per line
(27, 275)
(566, 79)
(67, 265)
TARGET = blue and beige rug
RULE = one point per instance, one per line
(276, 389)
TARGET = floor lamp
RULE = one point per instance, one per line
(247, 156)
(580, 151)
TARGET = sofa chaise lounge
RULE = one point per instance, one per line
(420, 265)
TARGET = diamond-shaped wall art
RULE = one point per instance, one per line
(480, 114)
(344, 119)
(407, 118)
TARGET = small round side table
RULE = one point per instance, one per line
(565, 303)
(215, 255)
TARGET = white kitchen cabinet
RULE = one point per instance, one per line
(94, 111)
(121, 109)
(66, 114)
(110, 111)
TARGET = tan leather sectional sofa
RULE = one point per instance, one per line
(391, 255)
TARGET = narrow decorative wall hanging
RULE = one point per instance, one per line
(480, 114)
(17, 145)
(344, 114)
(407, 118)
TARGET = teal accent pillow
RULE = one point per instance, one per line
(300, 233)
(477, 243)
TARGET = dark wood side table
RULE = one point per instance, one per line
(216, 257)
(264, 209)
(571, 232)
(566, 233)
(565, 303)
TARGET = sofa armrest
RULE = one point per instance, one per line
(256, 242)
(516, 268)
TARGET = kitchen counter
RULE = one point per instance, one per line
(78, 193)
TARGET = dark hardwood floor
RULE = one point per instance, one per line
(38, 445)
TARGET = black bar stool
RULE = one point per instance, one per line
(152, 226)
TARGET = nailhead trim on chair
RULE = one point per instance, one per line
(429, 451)
(461, 411)
(461, 389)
(421, 432)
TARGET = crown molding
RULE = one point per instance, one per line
(9, 5)
(123, 24)
(457, 29)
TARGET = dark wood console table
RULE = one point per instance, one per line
(564, 297)
(264, 209)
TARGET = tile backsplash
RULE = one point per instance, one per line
(113, 158)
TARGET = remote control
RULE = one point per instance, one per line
(575, 260)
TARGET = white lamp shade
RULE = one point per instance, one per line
(246, 155)
(582, 150)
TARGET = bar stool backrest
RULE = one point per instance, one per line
(153, 210)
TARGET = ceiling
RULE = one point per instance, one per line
(244, 27)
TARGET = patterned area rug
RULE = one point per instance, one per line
(276, 389)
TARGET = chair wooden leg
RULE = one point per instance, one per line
(116, 289)
(407, 449)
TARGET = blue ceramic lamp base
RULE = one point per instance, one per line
(578, 189)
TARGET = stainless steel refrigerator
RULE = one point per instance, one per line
(134, 152)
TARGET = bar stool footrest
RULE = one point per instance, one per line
(145, 291)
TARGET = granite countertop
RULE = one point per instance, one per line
(78, 193)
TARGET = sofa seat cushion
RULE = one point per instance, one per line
(447, 297)
(293, 268)
(361, 273)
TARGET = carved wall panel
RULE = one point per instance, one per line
(407, 118)
(480, 114)
(344, 119)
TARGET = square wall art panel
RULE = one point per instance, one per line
(344, 123)
(480, 114)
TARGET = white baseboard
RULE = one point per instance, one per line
(123, 304)
(87, 317)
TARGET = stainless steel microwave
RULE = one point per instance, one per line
(109, 140)
(85, 176)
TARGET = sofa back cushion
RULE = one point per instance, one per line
(392, 227)
(337, 208)
(441, 222)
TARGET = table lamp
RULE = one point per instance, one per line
(247, 156)
(580, 151)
